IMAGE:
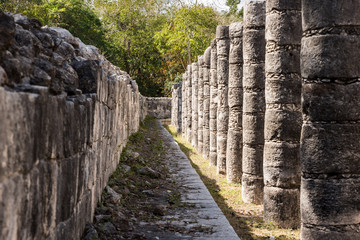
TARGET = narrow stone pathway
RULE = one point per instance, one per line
(156, 194)
(204, 213)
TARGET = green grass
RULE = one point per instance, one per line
(246, 219)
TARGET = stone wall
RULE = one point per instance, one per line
(176, 105)
(304, 153)
(159, 107)
(66, 114)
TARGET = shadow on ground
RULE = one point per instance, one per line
(245, 223)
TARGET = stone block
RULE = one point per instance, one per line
(251, 129)
(317, 15)
(283, 61)
(282, 125)
(235, 97)
(283, 91)
(326, 232)
(274, 210)
(331, 102)
(235, 119)
(254, 76)
(330, 148)
(252, 162)
(252, 189)
(254, 102)
(283, 5)
(67, 187)
(254, 13)
(284, 28)
(235, 75)
(222, 71)
(319, 60)
(222, 32)
(330, 201)
(254, 45)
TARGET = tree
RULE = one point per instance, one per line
(234, 9)
(186, 36)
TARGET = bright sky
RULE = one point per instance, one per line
(218, 4)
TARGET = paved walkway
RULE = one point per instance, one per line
(202, 213)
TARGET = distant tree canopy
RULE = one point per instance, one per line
(152, 40)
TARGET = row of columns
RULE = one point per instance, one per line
(274, 104)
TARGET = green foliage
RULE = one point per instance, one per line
(152, 40)
(234, 11)
(130, 26)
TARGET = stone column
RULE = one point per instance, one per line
(330, 137)
(206, 130)
(179, 110)
(254, 101)
(223, 46)
(188, 104)
(200, 103)
(213, 103)
(183, 104)
(283, 113)
(235, 96)
(195, 113)
(174, 105)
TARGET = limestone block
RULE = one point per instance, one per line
(331, 102)
(252, 189)
(254, 167)
(282, 27)
(318, 210)
(283, 91)
(340, 13)
(274, 199)
(319, 60)
(344, 233)
(283, 61)
(282, 125)
(254, 13)
(235, 75)
(253, 76)
(276, 5)
(254, 45)
(251, 125)
(326, 142)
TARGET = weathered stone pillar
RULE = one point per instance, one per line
(200, 103)
(235, 99)
(188, 104)
(206, 130)
(213, 103)
(183, 104)
(223, 46)
(254, 101)
(195, 106)
(283, 113)
(179, 109)
(175, 105)
(330, 137)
